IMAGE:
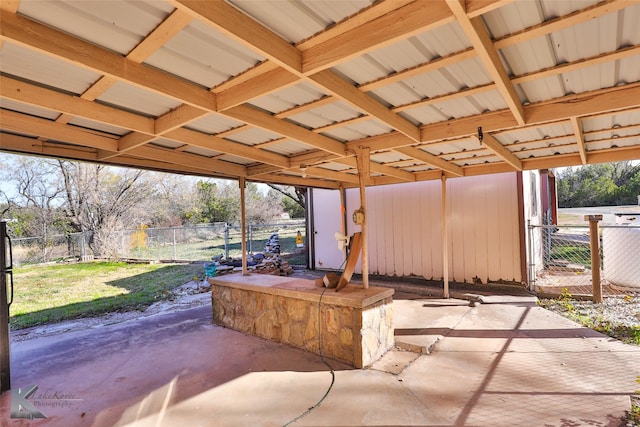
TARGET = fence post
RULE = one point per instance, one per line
(175, 256)
(594, 243)
(250, 238)
(82, 247)
(226, 240)
(531, 258)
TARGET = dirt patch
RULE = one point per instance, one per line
(189, 295)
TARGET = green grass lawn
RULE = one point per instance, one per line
(52, 293)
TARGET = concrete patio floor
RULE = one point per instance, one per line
(503, 362)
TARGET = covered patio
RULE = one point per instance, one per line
(335, 96)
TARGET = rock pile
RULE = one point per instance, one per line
(267, 262)
(273, 244)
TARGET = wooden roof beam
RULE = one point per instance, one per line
(502, 152)
(266, 121)
(189, 160)
(48, 129)
(430, 159)
(301, 182)
(330, 174)
(479, 36)
(63, 46)
(410, 19)
(561, 22)
(30, 94)
(378, 168)
(210, 142)
(577, 129)
(244, 30)
(349, 93)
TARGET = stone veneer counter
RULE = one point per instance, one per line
(355, 323)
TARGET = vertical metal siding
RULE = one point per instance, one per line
(405, 228)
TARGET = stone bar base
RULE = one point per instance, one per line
(355, 323)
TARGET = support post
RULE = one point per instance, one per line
(343, 216)
(445, 253)
(243, 226)
(363, 159)
(594, 243)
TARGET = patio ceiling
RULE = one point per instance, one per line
(287, 91)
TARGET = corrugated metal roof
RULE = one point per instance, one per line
(102, 127)
(44, 113)
(236, 160)
(253, 136)
(378, 74)
(34, 66)
(214, 123)
(202, 55)
(286, 147)
(304, 18)
(202, 152)
(116, 26)
(132, 98)
(166, 143)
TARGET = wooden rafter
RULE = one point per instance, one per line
(506, 155)
(75, 51)
(577, 129)
(479, 36)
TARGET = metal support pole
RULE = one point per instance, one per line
(5, 368)
(226, 241)
(594, 243)
(243, 222)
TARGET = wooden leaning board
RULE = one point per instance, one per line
(355, 247)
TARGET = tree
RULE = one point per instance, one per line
(219, 201)
(103, 200)
(262, 208)
(174, 197)
(213, 204)
(35, 207)
(607, 184)
(294, 203)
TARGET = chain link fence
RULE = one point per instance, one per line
(37, 250)
(566, 258)
(198, 243)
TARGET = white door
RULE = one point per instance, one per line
(327, 220)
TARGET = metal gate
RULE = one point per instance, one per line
(560, 260)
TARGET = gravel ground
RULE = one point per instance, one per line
(619, 313)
